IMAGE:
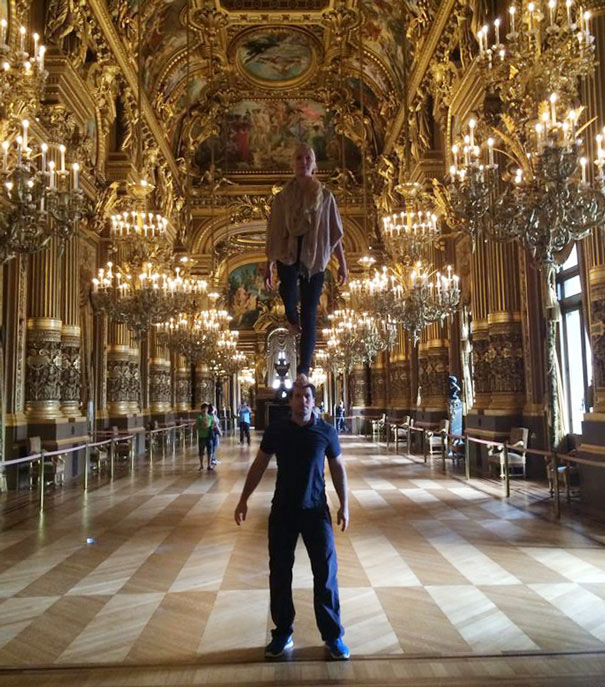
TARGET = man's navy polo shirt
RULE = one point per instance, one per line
(301, 453)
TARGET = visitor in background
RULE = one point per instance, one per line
(204, 435)
(216, 433)
(245, 420)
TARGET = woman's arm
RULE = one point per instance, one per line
(343, 272)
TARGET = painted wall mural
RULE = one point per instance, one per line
(275, 55)
(261, 134)
(249, 299)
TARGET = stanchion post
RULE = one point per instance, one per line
(86, 465)
(41, 480)
(425, 436)
(506, 471)
(555, 470)
(387, 428)
(173, 433)
(150, 448)
(443, 447)
(467, 456)
(112, 454)
(132, 440)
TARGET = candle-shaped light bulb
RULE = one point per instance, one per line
(51, 174)
(471, 125)
(22, 38)
(490, 151)
(3, 28)
(4, 155)
(62, 151)
(586, 18)
(583, 162)
(512, 10)
(568, 4)
(553, 110)
(36, 40)
(497, 27)
(552, 6)
(25, 125)
(41, 53)
(44, 149)
(76, 168)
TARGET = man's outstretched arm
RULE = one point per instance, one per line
(254, 476)
(339, 477)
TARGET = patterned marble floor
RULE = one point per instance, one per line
(430, 569)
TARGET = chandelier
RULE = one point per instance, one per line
(543, 196)
(408, 232)
(145, 297)
(22, 75)
(413, 297)
(40, 197)
(354, 338)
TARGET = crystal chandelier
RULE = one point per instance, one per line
(354, 338)
(407, 233)
(142, 298)
(40, 197)
(543, 197)
(414, 297)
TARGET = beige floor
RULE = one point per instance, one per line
(440, 584)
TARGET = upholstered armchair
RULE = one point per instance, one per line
(518, 438)
(435, 439)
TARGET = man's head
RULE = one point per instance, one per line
(204, 407)
(302, 399)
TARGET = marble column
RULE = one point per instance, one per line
(182, 384)
(43, 361)
(120, 380)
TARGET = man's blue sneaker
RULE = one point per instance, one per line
(338, 650)
(278, 645)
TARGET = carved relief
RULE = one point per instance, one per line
(481, 366)
(71, 373)
(43, 368)
(433, 375)
(598, 340)
(359, 387)
(159, 385)
(119, 381)
(183, 388)
(505, 361)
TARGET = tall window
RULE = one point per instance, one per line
(574, 345)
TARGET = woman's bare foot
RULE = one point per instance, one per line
(293, 328)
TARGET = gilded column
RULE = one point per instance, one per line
(401, 383)
(134, 364)
(379, 397)
(204, 385)
(433, 369)
(43, 361)
(480, 329)
(71, 379)
(159, 376)
(505, 349)
(119, 371)
(359, 387)
(182, 384)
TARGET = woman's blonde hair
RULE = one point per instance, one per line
(313, 193)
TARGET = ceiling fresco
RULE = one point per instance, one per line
(384, 34)
(278, 57)
(260, 135)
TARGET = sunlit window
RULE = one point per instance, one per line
(574, 345)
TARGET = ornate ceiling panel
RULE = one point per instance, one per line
(274, 5)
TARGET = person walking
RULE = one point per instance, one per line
(303, 231)
(299, 507)
(204, 435)
(215, 434)
(245, 420)
(340, 417)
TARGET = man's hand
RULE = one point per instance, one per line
(342, 518)
(269, 275)
(240, 512)
(343, 273)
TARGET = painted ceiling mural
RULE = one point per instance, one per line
(385, 33)
(260, 135)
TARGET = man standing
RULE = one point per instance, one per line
(204, 435)
(299, 506)
(244, 422)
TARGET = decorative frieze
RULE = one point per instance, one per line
(43, 368)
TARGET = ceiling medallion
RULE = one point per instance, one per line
(275, 57)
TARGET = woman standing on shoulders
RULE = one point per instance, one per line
(303, 231)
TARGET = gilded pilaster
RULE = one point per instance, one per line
(159, 376)
(71, 379)
(14, 331)
(182, 384)
(43, 362)
(379, 396)
(400, 373)
(505, 351)
(480, 328)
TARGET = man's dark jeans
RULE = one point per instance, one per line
(291, 282)
(315, 526)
